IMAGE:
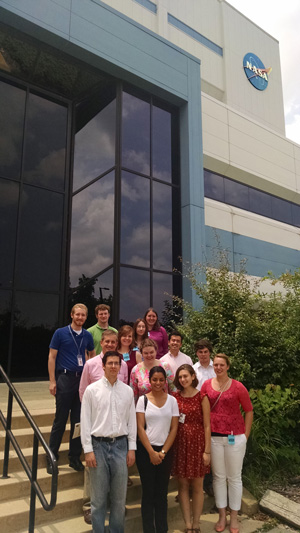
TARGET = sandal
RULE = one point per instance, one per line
(196, 530)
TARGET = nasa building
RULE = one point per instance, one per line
(134, 133)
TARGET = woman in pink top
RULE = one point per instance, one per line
(139, 378)
(156, 332)
(229, 435)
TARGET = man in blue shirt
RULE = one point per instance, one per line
(68, 347)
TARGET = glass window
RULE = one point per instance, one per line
(236, 194)
(39, 253)
(9, 196)
(296, 215)
(35, 319)
(162, 295)
(135, 220)
(162, 226)
(12, 110)
(94, 143)
(136, 134)
(134, 293)
(281, 210)
(214, 186)
(45, 143)
(161, 144)
(260, 202)
(98, 290)
(5, 319)
(92, 235)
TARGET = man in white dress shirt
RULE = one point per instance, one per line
(108, 436)
(204, 368)
(175, 358)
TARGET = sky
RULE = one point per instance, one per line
(282, 21)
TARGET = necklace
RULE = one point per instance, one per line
(222, 388)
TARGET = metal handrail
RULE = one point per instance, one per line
(37, 438)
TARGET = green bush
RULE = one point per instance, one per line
(261, 335)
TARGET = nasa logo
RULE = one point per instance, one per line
(256, 72)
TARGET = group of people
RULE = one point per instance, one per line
(142, 399)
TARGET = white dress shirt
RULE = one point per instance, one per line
(176, 362)
(107, 411)
(203, 373)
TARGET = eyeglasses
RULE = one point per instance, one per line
(112, 364)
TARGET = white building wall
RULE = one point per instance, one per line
(221, 77)
(244, 150)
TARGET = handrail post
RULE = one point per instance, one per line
(7, 441)
(33, 480)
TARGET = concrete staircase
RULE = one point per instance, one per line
(67, 516)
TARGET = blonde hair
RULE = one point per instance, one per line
(81, 306)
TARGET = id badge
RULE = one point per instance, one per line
(126, 356)
(79, 360)
(182, 418)
(231, 439)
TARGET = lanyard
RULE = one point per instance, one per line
(78, 349)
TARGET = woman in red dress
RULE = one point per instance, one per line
(191, 457)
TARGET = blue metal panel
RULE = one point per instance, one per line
(49, 14)
(261, 257)
(195, 35)
(192, 187)
(131, 49)
(149, 5)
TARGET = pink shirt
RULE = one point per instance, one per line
(161, 339)
(225, 416)
(176, 362)
(139, 380)
(93, 370)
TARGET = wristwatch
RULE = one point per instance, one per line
(163, 451)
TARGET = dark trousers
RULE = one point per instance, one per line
(155, 481)
(67, 400)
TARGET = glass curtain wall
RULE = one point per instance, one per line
(33, 141)
(125, 237)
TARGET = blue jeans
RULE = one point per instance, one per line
(109, 476)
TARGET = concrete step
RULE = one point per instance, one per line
(24, 436)
(41, 418)
(133, 519)
(14, 514)
(75, 524)
(14, 463)
(18, 485)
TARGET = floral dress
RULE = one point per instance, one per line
(189, 444)
(139, 379)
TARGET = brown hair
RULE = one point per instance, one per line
(190, 369)
(111, 354)
(125, 330)
(223, 356)
(108, 333)
(203, 343)
(156, 324)
(101, 307)
(148, 342)
(81, 306)
(145, 336)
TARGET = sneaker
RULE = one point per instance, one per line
(74, 462)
